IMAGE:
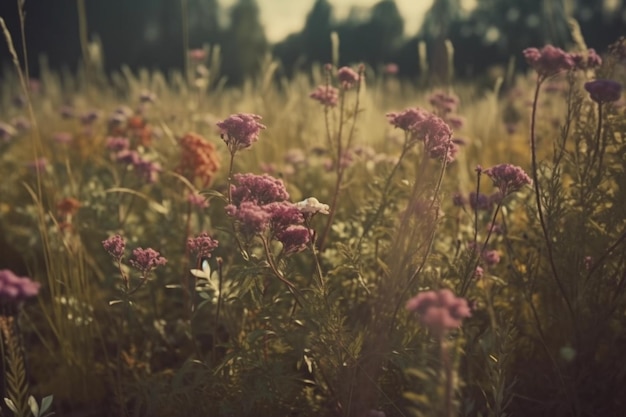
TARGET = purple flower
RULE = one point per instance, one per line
(549, 60)
(117, 144)
(508, 178)
(67, 112)
(38, 165)
(89, 117)
(198, 200)
(240, 131)
(604, 91)
(480, 201)
(491, 257)
(202, 245)
(260, 189)
(443, 103)
(253, 220)
(14, 289)
(440, 311)
(326, 95)
(21, 124)
(282, 215)
(128, 156)
(408, 118)
(347, 77)
(588, 60)
(294, 238)
(115, 246)
(62, 138)
(148, 170)
(146, 260)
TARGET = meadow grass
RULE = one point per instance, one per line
(301, 309)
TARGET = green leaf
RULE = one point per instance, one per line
(46, 403)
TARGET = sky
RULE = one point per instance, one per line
(282, 17)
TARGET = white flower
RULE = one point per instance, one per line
(205, 272)
(312, 206)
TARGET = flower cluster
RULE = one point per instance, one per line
(433, 130)
(549, 60)
(347, 77)
(121, 152)
(240, 131)
(260, 189)
(202, 245)
(443, 103)
(508, 178)
(146, 260)
(326, 95)
(604, 91)
(198, 159)
(115, 246)
(259, 205)
(440, 311)
(14, 289)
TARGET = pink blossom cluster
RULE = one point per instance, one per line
(327, 95)
(259, 205)
(440, 311)
(240, 130)
(347, 77)
(202, 245)
(146, 260)
(551, 60)
(433, 130)
(508, 178)
(147, 170)
(15, 289)
(115, 246)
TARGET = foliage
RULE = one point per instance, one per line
(250, 298)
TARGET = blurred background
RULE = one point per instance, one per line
(486, 34)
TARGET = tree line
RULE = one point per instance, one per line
(149, 33)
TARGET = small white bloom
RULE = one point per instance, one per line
(205, 272)
(312, 206)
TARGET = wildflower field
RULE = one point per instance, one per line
(341, 243)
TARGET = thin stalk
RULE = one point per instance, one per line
(542, 221)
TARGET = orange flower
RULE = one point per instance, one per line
(199, 159)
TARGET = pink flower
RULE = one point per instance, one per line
(240, 131)
(294, 238)
(604, 91)
(14, 289)
(202, 245)
(491, 257)
(391, 69)
(443, 103)
(347, 77)
(260, 189)
(62, 138)
(197, 200)
(440, 311)
(549, 60)
(508, 178)
(408, 118)
(588, 60)
(146, 260)
(326, 95)
(115, 245)
(252, 218)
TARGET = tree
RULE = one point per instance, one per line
(316, 33)
(244, 44)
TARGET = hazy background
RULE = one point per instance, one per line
(486, 34)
